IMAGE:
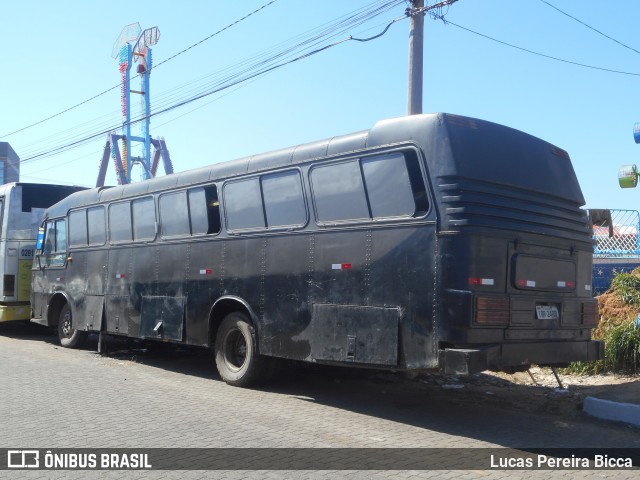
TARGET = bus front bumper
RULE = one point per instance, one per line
(10, 313)
(466, 361)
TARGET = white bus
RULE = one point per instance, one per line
(21, 209)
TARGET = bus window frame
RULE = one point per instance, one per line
(54, 253)
(403, 150)
(130, 202)
(266, 229)
(186, 192)
(3, 202)
(86, 210)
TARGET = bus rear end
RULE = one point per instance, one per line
(514, 252)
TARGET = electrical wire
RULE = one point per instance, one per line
(590, 27)
(246, 77)
(542, 54)
(245, 70)
(156, 66)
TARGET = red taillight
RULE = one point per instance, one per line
(589, 314)
(492, 311)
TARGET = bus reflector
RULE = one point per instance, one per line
(461, 121)
(9, 286)
(590, 314)
(481, 281)
(340, 266)
(492, 311)
(560, 152)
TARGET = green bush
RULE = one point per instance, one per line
(627, 286)
(622, 347)
(618, 330)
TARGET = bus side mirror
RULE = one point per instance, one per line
(40, 241)
(39, 246)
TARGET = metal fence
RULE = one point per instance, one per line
(615, 233)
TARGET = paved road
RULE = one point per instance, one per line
(51, 397)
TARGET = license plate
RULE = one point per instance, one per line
(547, 312)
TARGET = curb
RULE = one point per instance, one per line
(616, 411)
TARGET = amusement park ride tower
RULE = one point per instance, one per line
(123, 159)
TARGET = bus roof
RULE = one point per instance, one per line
(421, 129)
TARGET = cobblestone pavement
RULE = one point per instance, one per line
(51, 397)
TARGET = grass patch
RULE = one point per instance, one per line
(618, 308)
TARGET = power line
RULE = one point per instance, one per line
(215, 33)
(162, 62)
(62, 112)
(542, 54)
(305, 41)
(589, 26)
(249, 76)
(247, 69)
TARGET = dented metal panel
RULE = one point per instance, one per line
(162, 318)
(353, 333)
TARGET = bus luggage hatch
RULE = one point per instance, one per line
(354, 333)
(162, 318)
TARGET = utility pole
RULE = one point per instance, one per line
(416, 42)
(416, 48)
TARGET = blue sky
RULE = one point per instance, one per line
(57, 54)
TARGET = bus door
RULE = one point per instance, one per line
(49, 265)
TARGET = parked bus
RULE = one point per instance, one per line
(427, 242)
(22, 207)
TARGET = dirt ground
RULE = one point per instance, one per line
(538, 392)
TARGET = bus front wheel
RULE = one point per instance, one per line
(69, 337)
(236, 358)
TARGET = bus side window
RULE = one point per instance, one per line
(55, 243)
(204, 210)
(144, 219)
(243, 205)
(418, 186)
(338, 192)
(96, 225)
(283, 199)
(173, 221)
(375, 187)
(78, 228)
(394, 185)
(120, 222)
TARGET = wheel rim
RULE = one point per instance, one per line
(66, 324)
(235, 350)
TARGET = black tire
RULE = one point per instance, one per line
(69, 337)
(236, 358)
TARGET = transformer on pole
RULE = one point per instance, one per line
(123, 157)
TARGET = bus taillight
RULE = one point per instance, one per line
(492, 311)
(590, 314)
(9, 285)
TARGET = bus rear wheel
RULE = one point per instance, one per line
(236, 359)
(69, 337)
